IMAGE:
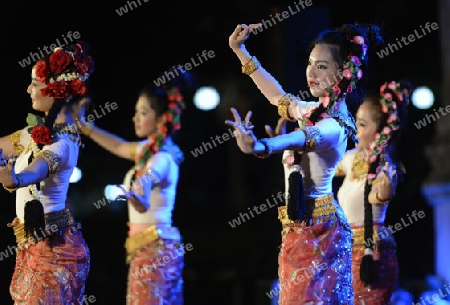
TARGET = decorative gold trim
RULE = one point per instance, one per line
(322, 206)
(133, 150)
(380, 233)
(15, 142)
(54, 222)
(52, 160)
(283, 106)
(147, 236)
(251, 66)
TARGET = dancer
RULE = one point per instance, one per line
(370, 171)
(53, 259)
(154, 250)
(315, 256)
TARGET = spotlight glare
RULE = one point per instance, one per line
(422, 97)
(112, 191)
(76, 175)
(206, 98)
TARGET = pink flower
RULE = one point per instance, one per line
(392, 86)
(337, 90)
(384, 108)
(371, 176)
(377, 136)
(289, 160)
(358, 40)
(387, 96)
(400, 96)
(325, 101)
(347, 73)
(392, 118)
(355, 59)
(372, 145)
(386, 130)
(394, 105)
(382, 88)
(372, 158)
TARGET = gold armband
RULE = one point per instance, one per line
(382, 201)
(251, 66)
(86, 129)
(283, 107)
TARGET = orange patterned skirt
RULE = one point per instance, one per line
(156, 266)
(51, 271)
(315, 261)
(384, 254)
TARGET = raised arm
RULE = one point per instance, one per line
(268, 85)
(109, 141)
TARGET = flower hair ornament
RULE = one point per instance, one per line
(351, 73)
(65, 73)
(172, 116)
(388, 92)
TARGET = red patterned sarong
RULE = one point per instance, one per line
(52, 271)
(384, 254)
(155, 273)
(315, 261)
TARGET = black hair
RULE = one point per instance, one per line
(368, 272)
(342, 46)
(80, 61)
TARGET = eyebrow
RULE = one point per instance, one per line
(35, 78)
(320, 61)
(361, 119)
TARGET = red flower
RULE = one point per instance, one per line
(77, 87)
(41, 135)
(41, 70)
(57, 90)
(289, 160)
(59, 60)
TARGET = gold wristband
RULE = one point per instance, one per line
(382, 201)
(283, 107)
(251, 66)
(86, 129)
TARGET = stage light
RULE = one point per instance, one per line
(76, 175)
(206, 98)
(422, 97)
(112, 191)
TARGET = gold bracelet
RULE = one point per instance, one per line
(86, 129)
(283, 107)
(381, 201)
(251, 66)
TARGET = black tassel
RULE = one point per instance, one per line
(367, 271)
(296, 206)
(34, 218)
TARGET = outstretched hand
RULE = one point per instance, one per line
(7, 172)
(240, 34)
(279, 129)
(243, 131)
(133, 198)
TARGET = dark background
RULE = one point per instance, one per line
(227, 265)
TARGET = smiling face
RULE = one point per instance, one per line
(367, 125)
(145, 120)
(40, 102)
(322, 70)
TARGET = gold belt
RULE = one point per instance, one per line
(380, 233)
(54, 222)
(147, 236)
(320, 207)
